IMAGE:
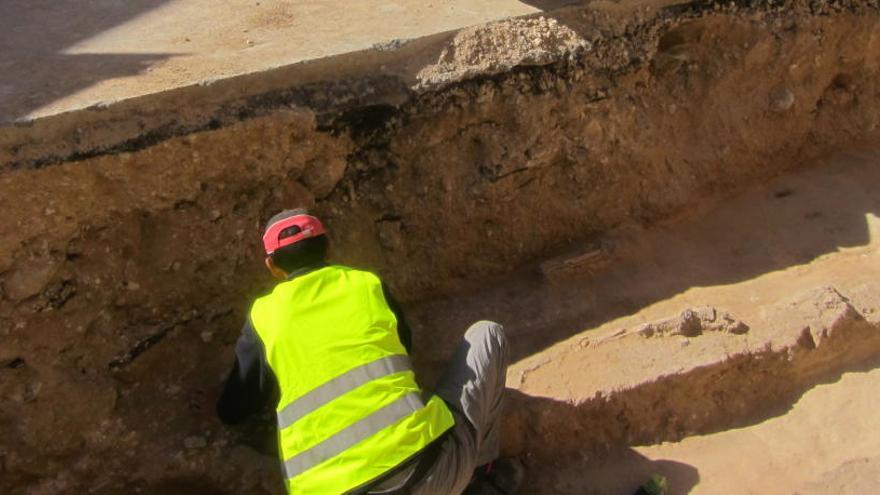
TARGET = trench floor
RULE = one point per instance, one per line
(745, 253)
(740, 253)
(827, 443)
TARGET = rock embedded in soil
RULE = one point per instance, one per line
(321, 176)
(781, 99)
(30, 279)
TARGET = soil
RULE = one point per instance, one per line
(110, 51)
(501, 46)
(826, 443)
(722, 329)
(647, 159)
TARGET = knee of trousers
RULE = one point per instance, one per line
(490, 332)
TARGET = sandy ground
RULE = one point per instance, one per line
(742, 254)
(826, 444)
(750, 255)
(69, 54)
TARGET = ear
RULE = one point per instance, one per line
(274, 270)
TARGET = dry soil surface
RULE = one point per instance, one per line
(126, 273)
(826, 444)
(782, 280)
(740, 253)
(64, 55)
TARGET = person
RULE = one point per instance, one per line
(329, 348)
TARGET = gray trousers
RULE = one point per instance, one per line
(473, 385)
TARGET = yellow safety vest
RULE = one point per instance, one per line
(350, 409)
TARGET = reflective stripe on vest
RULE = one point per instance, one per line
(343, 383)
(355, 433)
(350, 409)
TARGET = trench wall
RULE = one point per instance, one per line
(127, 267)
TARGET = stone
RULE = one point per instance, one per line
(321, 176)
(729, 324)
(824, 311)
(690, 324)
(781, 99)
(499, 46)
(29, 279)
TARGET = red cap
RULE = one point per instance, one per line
(308, 225)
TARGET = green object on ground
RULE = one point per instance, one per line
(655, 486)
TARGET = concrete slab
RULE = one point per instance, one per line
(61, 55)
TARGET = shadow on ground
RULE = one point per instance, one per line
(681, 478)
(34, 35)
(785, 223)
(561, 441)
(552, 4)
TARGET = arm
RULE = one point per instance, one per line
(251, 384)
(403, 331)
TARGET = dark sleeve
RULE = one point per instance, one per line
(251, 384)
(403, 330)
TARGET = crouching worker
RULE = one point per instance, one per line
(331, 347)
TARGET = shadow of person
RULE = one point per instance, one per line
(585, 448)
(621, 472)
(562, 458)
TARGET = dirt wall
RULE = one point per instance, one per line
(126, 270)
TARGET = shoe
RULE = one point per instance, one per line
(501, 477)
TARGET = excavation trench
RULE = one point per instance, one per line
(129, 248)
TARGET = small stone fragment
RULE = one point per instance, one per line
(689, 325)
(781, 99)
(730, 324)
